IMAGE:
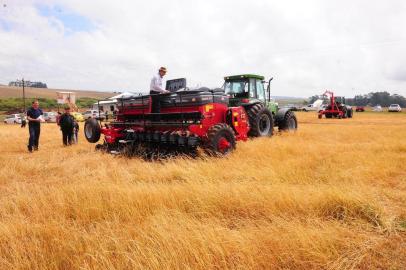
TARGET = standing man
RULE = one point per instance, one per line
(67, 123)
(156, 89)
(34, 117)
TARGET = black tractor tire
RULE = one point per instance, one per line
(349, 113)
(289, 122)
(261, 121)
(220, 140)
(344, 110)
(329, 115)
(92, 130)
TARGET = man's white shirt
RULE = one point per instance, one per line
(156, 84)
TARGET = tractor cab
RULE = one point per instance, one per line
(253, 93)
(245, 90)
(340, 100)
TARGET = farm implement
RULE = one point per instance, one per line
(336, 107)
(211, 119)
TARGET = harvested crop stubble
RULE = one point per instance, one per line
(331, 196)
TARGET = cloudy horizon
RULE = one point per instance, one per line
(350, 47)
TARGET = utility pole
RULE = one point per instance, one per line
(24, 94)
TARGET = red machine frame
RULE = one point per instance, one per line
(180, 126)
(334, 109)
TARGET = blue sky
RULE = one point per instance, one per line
(4, 25)
(72, 21)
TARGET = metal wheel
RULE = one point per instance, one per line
(264, 124)
(220, 140)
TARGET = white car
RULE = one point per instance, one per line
(310, 108)
(12, 119)
(93, 114)
(394, 108)
(50, 117)
(322, 107)
(377, 108)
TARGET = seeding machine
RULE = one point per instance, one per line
(212, 119)
(336, 107)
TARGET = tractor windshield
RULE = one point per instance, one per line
(236, 88)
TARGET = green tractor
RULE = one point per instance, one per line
(249, 91)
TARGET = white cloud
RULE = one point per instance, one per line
(308, 46)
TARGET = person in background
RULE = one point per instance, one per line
(23, 119)
(34, 117)
(156, 89)
(58, 117)
(75, 132)
(66, 122)
(115, 112)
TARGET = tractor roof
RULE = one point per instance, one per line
(244, 76)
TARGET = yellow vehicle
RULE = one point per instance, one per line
(78, 116)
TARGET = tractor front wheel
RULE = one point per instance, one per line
(261, 121)
(220, 140)
(289, 122)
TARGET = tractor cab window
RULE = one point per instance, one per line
(253, 88)
(260, 90)
(236, 88)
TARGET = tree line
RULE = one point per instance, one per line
(15, 105)
(372, 99)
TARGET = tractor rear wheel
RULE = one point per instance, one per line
(261, 121)
(289, 122)
(221, 140)
(92, 130)
(349, 113)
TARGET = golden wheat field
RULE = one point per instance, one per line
(331, 196)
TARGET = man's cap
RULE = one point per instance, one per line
(162, 69)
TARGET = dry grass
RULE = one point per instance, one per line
(331, 196)
(17, 92)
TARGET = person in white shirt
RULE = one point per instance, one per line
(156, 89)
(156, 83)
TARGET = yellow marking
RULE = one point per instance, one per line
(235, 114)
(236, 124)
(209, 107)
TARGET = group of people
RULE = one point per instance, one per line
(69, 126)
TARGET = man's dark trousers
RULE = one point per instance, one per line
(35, 130)
(67, 136)
(156, 104)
